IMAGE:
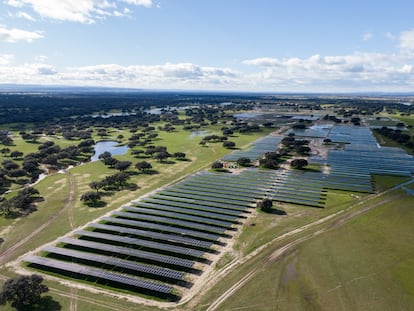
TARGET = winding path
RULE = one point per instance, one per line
(342, 217)
(7, 254)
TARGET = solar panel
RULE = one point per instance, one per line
(199, 201)
(178, 215)
(143, 243)
(148, 234)
(98, 273)
(180, 232)
(130, 252)
(203, 196)
(223, 191)
(183, 210)
(172, 221)
(221, 188)
(121, 263)
(165, 201)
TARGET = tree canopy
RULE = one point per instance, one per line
(23, 292)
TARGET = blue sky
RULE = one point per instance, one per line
(256, 45)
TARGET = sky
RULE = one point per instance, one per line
(224, 45)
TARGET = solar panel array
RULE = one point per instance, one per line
(352, 167)
(299, 187)
(257, 149)
(163, 239)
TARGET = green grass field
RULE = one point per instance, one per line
(363, 264)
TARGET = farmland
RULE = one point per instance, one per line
(169, 230)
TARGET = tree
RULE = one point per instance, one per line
(298, 163)
(16, 154)
(122, 165)
(90, 197)
(243, 161)
(5, 150)
(217, 165)
(265, 205)
(179, 155)
(96, 185)
(23, 292)
(143, 166)
(303, 150)
(111, 162)
(104, 155)
(161, 156)
(229, 144)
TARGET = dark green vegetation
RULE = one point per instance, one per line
(24, 293)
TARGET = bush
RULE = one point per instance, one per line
(265, 205)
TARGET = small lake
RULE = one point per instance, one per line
(194, 134)
(110, 146)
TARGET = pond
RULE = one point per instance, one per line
(194, 134)
(110, 146)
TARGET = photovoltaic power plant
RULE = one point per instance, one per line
(159, 244)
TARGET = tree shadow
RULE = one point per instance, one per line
(97, 204)
(131, 187)
(275, 211)
(167, 162)
(46, 303)
(183, 159)
(150, 172)
(13, 215)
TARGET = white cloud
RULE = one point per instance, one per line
(41, 58)
(367, 36)
(14, 35)
(6, 59)
(82, 11)
(407, 39)
(14, 3)
(25, 16)
(368, 71)
(263, 61)
(145, 3)
(390, 35)
(354, 72)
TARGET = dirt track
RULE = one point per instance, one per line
(9, 253)
(341, 218)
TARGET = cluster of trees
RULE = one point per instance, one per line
(243, 161)
(271, 160)
(5, 138)
(298, 163)
(332, 118)
(300, 146)
(302, 124)
(113, 182)
(20, 204)
(397, 135)
(214, 138)
(24, 293)
(217, 165)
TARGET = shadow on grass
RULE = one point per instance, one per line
(167, 162)
(309, 169)
(183, 159)
(221, 170)
(275, 211)
(131, 187)
(97, 204)
(150, 172)
(46, 303)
